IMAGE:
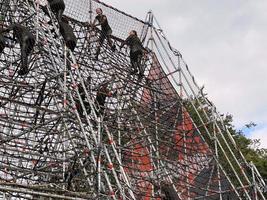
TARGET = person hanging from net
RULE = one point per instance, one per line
(101, 96)
(71, 172)
(136, 52)
(39, 101)
(69, 37)
(26, 40)
(2, 38)
(5, 41)
(57, 7)
(105, 32)
(83, 97)
(168, 192)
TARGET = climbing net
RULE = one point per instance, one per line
(158, 136)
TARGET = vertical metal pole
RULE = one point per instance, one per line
(254, 184)
(90, 12)
(119, 135)
(157, 139)
(37, 20)
(64, 107)
(99, 156)
(151, 30)
(180, 76)
(185, 155)
(65, 78)
(216, 153)
(145, 28)
(150, 21)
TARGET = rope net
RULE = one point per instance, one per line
(77, 127)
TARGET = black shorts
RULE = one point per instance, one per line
(57, 5)
(30, 44)
(2, 44)
(106, 33)
(136, 54)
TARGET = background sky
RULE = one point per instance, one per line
(225, 45)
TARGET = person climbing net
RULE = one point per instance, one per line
(137, 52)
(105, 32)
(26, 40)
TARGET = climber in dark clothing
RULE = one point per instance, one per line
(71, 173)
(83, 97)
(136, 51)
(67, 33)
(2, 44)
(57, 7)
(169, 192)
(40, 100)
(85, 103)
(70, 39)
(5, 41)
(26, 41)
(105, 33)
(102, 93)
(2, 39)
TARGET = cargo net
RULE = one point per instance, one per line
(61, 140)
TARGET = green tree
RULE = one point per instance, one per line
(250, 148)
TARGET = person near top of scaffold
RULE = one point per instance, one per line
(105, 33)
(136, 52)
(67, 33)
(26, 40)
(57, 7)
(69, 37)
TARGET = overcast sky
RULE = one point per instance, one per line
(225, 46)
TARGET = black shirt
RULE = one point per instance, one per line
(103, 21)
(170, 193)
(67, 32)
(82, 92)
(134, 42)
(2, 40)
(57, 4)
(102, 94)
(20, 32)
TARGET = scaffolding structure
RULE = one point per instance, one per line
(158, 137)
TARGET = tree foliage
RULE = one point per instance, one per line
(250, 147)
